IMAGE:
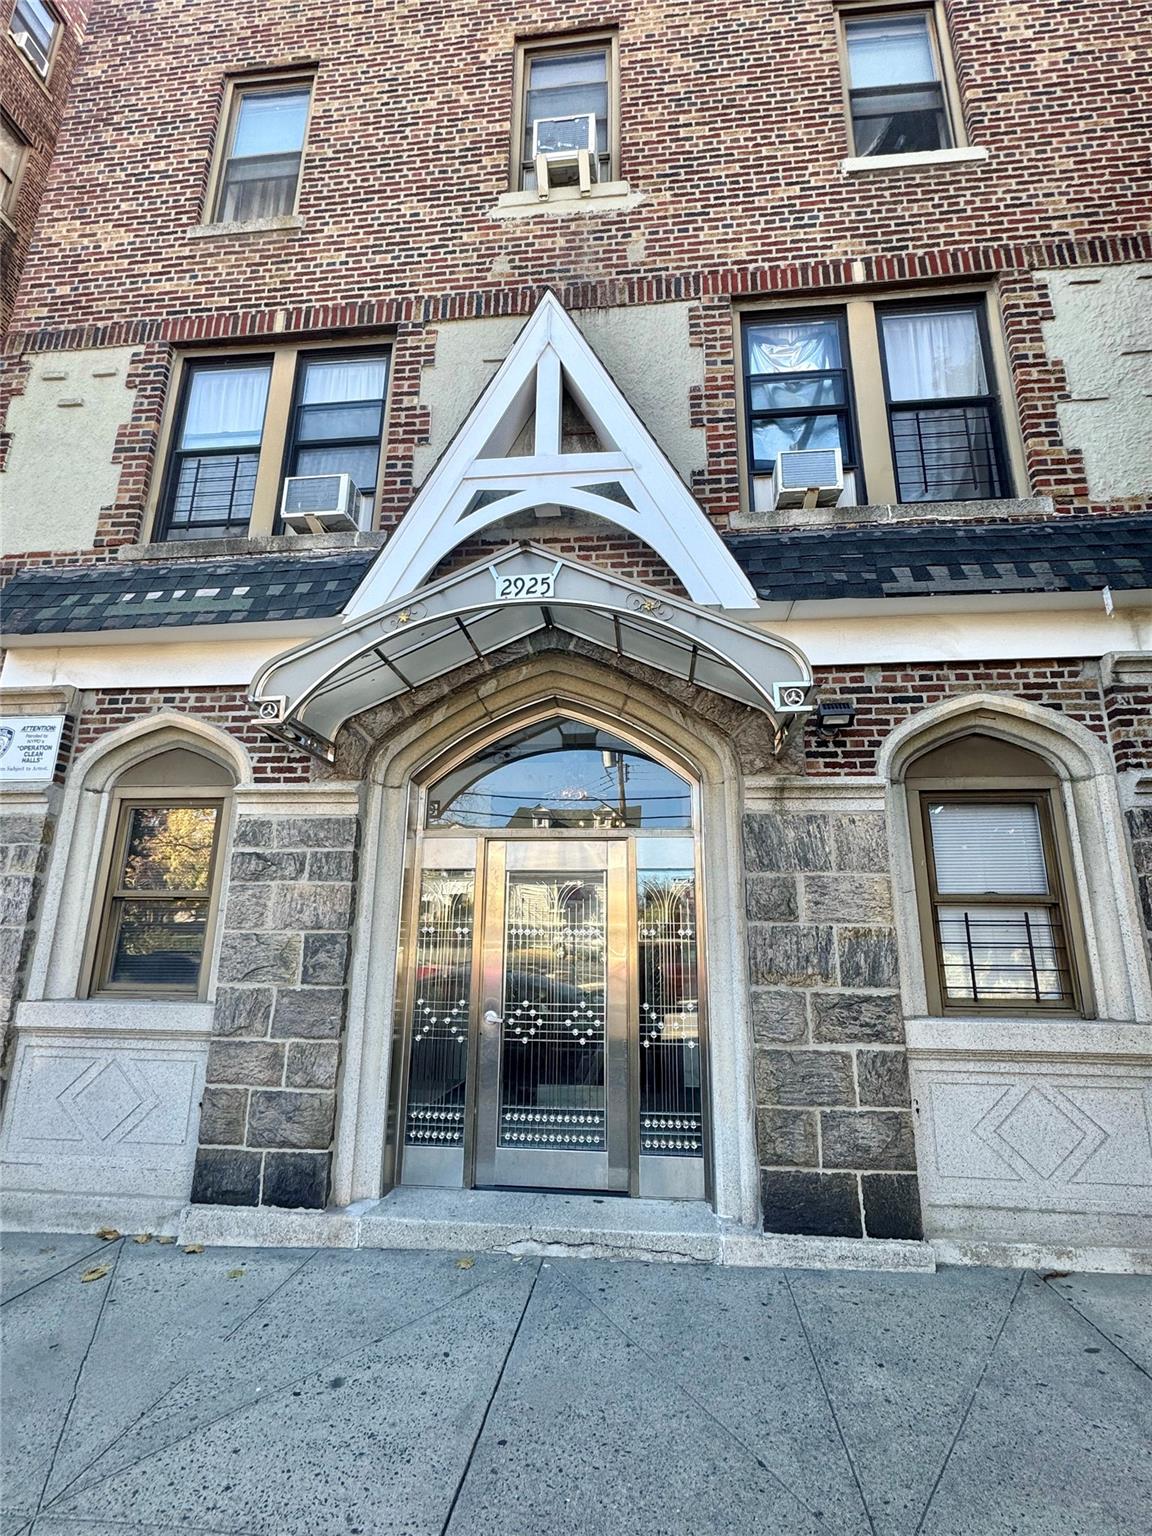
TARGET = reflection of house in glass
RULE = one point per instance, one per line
(599, 815)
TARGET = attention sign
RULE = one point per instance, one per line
(29, 745)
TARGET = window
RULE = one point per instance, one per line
(338, 421)
(1000, 930)
(571, 80)
(13, 150)
(156, 916)
(216, 452)
(896, 93)
(908, 392)
(797, 386)
(264, 144)
(943, 414)
(244, 422)
(35, 30)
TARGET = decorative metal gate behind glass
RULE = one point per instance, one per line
(553, 993)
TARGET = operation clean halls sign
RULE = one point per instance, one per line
(29, 745)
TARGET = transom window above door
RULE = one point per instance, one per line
(557, 776)
(243, 424)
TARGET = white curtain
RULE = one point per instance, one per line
(798, 348)
(934, 354)
(343, 380)
(988, 848)
(226, 408)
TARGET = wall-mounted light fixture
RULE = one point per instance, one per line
(835, 715)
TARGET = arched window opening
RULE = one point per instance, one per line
(160, 876)
(999, 921)
(561, 775)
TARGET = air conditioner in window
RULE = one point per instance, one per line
(31, 49)
(320, 504)
(564, 152)
(807, 477)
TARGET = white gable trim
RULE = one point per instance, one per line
(530, 384)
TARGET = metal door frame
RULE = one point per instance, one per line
(421, 841)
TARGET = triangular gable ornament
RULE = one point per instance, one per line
(508, 458)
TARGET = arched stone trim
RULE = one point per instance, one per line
(71, 885)
(579, 684)
(1101, 869)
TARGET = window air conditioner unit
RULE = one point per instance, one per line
(564, 152)
(31, 49)
(320, 504)
(807, 477)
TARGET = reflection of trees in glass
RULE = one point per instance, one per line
(170, 848)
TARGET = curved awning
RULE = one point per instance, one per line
(306, 694)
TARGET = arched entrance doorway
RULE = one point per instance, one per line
(553, 1027)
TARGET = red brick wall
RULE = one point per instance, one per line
(107, 709)
(36, 107)
(886, 696)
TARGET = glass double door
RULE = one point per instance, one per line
(555, 1038)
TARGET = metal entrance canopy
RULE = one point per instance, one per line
(307, 694)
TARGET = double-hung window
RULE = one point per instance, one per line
(13, 151)
(263, 147)
(943, 411)
(215, 455)
(896, 93)
(907, 392)
(35, 29)
(158, 900)
(798, 387)
(997, 914)
(338, 420)
(244, 423)
(566, 89)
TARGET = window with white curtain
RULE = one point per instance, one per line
(895, 91)
(260, 171)
(943, 413)
(338, 419)
(997, 914)
(216, 449)
(243, 423)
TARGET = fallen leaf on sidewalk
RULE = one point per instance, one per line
(165, 1239)
(142, 1237)
(194, 1248)
(235, 1274)
(465, 1263)
(109, 1234)
(95, 1274)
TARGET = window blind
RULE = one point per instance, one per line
(988, 848)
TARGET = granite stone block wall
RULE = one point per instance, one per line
(833, 1111)
(269, 1108)
(25, 840)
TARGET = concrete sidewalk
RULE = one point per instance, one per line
(377, 1393)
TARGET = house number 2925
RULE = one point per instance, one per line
(541, 584)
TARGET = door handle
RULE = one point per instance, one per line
(492, 1017)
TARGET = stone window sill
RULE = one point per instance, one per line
(269, 544)
(283, 224)
(115, 1016)
(1018, 507)
(924, 159)
(1011, 1035)
(605, 197)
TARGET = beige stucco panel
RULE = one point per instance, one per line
(60, 470)
(644, 347)
(1102, 333)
